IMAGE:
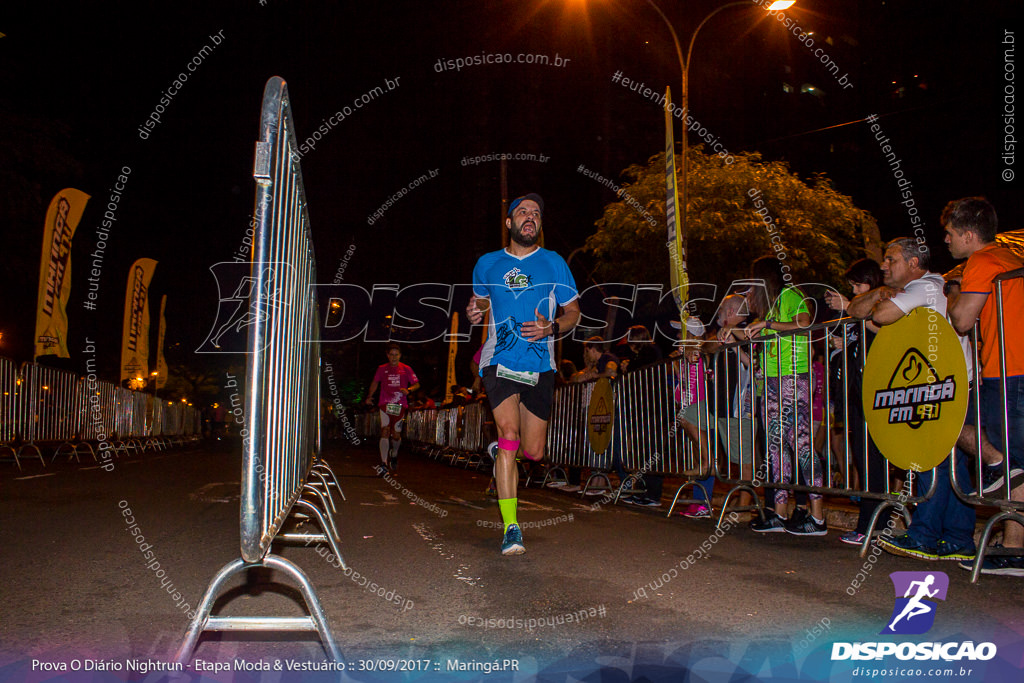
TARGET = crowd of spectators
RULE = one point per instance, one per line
(765, 401)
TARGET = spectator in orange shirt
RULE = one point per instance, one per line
(971, 225)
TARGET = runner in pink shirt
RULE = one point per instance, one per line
(396, 381)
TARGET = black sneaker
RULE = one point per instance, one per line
(799, 515)
(806, 526)
(393, 464)
(646, 502)
(1006, 565)
(772, 524)
(992, 478)
(961, 553)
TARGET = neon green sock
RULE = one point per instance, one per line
(508, 511)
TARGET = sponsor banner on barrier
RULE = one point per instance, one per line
(915, 390)
(600, 416)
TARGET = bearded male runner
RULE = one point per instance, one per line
(523, 285)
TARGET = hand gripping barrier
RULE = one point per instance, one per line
(280, 460)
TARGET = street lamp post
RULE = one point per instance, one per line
(684, 99)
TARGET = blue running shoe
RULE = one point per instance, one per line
(906, 546)
(959, 553)
(513, 542)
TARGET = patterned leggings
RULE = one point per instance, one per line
(787, 395)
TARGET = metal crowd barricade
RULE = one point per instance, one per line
(649, 405)
(567, 443)
(99, 412)
(646, 436)
(53, 410)
(10, 407)
(48, 407)
(749, 468)
(458, 432)
(282, 401)
(414, 424)
(1001, 496)
(367, 423)
(473, 438)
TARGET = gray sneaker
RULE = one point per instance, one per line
(772, 524)
(806, 526)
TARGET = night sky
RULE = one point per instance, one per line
(79, 80)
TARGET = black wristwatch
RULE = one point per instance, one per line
(554, 328)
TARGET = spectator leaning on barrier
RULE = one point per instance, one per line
(638, 350)
(691, 394)
(863, 276)
(597, 362)
(786, 364)
(942, 526)
(566, 371)
(735, 410)
(971, 227)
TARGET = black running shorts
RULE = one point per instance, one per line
(537, 398)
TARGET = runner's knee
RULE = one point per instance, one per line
(535, 456)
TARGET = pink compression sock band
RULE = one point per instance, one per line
(507, 445)
(531, 457)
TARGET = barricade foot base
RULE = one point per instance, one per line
(203, 621)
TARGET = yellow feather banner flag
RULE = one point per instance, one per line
(453, 347)
(55, 272)
(674, 242)
(161, 362)
(135, 344)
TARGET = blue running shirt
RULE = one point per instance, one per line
(518, 289)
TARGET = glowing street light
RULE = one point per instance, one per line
(685, 95)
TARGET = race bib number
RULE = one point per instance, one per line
(393, 409)
(528, 378)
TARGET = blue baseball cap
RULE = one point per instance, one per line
(519, 200)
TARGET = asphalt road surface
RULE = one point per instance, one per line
(608, 591)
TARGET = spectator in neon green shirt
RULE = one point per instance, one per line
(786, 409)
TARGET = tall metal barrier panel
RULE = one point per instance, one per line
(282, 401)
(974, 491)
(10, 407)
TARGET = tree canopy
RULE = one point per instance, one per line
(820, 230)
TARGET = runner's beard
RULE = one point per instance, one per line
(518, 237)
